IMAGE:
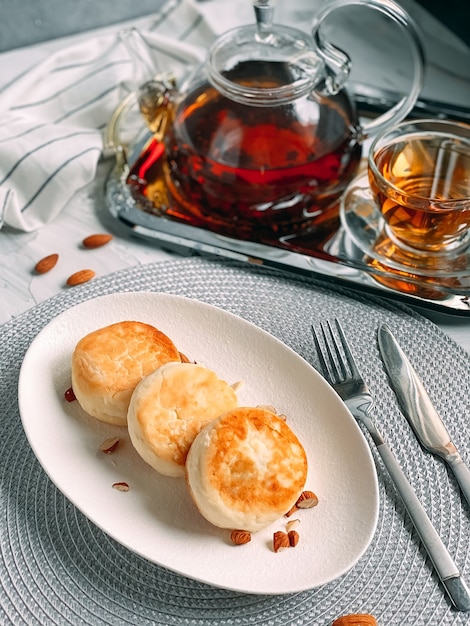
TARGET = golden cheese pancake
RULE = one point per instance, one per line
(108, 363)
(169, 408)
(246, 469)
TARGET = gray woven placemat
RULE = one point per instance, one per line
(58, 568)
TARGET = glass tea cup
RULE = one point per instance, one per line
(419, 175)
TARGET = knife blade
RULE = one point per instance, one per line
(417, 407)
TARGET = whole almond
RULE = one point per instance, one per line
(355, 619)
(240, 537)
(80, 277)
(96, 241)
(46, 264)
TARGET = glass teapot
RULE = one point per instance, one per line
(262, 139)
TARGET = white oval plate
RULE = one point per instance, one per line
(156, 518)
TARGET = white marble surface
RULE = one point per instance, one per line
(21, 288)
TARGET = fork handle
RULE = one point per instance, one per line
(447, 570)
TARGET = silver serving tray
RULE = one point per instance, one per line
(337, 261)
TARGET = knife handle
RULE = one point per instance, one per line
(444, 565)
(462, 474)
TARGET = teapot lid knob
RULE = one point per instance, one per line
(264, 44)
(264, 13)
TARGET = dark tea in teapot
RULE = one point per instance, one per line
(254, 170)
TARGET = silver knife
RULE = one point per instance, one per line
(418, 409)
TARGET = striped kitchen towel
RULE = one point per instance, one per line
(52, 118)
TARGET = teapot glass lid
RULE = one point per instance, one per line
(264, 63)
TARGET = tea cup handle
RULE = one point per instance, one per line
(337, 64)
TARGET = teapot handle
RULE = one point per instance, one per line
(337, 64)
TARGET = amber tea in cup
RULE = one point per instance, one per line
(419, 174)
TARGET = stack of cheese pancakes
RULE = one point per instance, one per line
(244, 466)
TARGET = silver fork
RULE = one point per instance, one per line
(339, 368)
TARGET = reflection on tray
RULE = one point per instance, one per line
(137, 196)
(147, 180)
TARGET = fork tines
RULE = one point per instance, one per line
(335, 357)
